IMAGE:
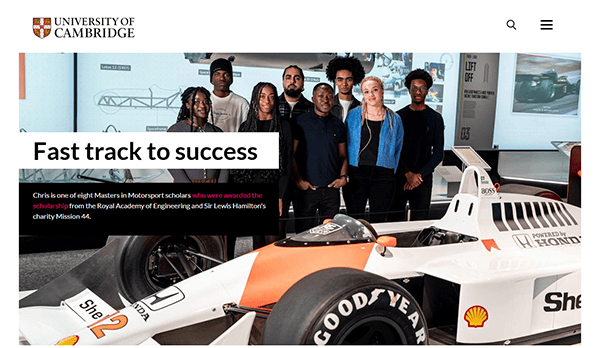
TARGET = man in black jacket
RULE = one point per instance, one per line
(292, 103)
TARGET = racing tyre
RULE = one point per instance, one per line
(521, 92)
(147, 264)
(346, 306)
(547, 90)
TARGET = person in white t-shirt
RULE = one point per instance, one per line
(229, 109)
(345, 72)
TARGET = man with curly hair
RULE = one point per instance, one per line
(345, 72)
(422, 150)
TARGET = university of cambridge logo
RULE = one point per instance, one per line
(42, 27)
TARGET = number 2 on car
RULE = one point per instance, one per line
(118, 322)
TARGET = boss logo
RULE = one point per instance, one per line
(488, 191)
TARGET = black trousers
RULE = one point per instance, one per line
(372, 183)
(419, 200)
(288, 196)
(325, 200)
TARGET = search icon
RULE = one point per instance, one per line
(511, 24)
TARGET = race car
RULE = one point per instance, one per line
(543, 87)
(497, 268)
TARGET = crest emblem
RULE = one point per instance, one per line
(42, 27)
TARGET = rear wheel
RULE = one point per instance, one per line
(346, 306)
(547, 91)
(521, 92)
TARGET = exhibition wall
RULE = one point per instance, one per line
(127, 92)
(48, 102)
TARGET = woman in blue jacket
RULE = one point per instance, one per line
(375, 135)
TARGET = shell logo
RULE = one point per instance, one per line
(476, 316)
(69, 341)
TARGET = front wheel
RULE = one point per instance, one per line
(346, 306)
(147, 264)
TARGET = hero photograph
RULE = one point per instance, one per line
(413, 200)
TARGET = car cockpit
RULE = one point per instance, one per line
(431, 236)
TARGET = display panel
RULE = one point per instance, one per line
(547, 85)
(538, 100)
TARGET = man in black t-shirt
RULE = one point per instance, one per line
(320, 161)
(422, 151)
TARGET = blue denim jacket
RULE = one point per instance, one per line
(390, 141)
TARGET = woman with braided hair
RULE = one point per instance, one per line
(193, 117)
(264, 117)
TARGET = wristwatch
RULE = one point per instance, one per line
(345, 176)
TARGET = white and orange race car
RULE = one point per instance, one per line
(497, 268)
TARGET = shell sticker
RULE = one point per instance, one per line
(476, 316)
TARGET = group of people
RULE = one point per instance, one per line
(376, 156)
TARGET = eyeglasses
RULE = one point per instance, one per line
(422, 89)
